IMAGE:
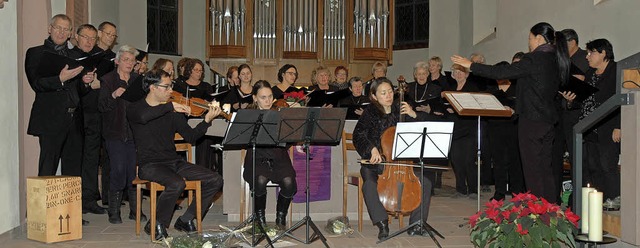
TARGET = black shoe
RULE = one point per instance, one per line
(132, 216)
(281, 220)
(383, 229)
(161, 231)
(188, 227)
(497, 197)
(177, 207)
(416, 230)
(85, 222)
(93, 208)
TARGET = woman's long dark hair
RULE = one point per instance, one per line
(560, 43)
(372, 92)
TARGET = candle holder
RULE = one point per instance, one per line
(590, 243)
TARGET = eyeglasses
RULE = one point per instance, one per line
(291, 73)
(341, 74)
(141, 62)
(61, 29)
(166, 87)
(111, 35)
(87, 37)
(197, 70)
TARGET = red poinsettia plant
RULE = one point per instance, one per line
(294, 96)
(525, 220)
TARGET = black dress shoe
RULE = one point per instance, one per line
(497, 197)
(93, 208)
(416, 230)
(188, 227)
(161, 231)
(383, 229)
(85, 222)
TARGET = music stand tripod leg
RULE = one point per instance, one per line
(252, 219)
(307, 219)
(421, 223)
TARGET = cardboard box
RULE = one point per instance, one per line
(54, 208)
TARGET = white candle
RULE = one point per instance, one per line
(595, 216)
(585, 208)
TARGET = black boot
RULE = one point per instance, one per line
(281, 211)
(115, 198)
(260, 204)
(383, 229)
(133, 201)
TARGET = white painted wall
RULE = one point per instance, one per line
(9, 178)
(58, 7)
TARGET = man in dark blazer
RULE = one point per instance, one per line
(55, 117)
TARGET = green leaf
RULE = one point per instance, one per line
(508, 228)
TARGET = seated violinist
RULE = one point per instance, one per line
(154, 121)
(382, 113)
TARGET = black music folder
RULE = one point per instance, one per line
(578, 87)
(52, 63)
(322, 97)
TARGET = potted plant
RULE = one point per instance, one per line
(525, 220)
(294, 97)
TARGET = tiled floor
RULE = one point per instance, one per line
(447, 215)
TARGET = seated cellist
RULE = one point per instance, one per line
(381, 114)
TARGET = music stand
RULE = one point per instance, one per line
(252, 127)
(310, 125)
(413, 141)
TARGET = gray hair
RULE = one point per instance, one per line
(420, 65)
(479, 56)
(126, 49)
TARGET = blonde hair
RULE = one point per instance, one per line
(317, 71)
(378, 65)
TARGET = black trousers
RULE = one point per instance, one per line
(506, 156)
(600, 164)
(171, 175)
(486, 167)
(122, 158)
(536, 141)
(91, 156)
(463, 155)
(376, 210)
(64, 146)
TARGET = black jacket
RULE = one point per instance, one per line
(114, 119)
(606, 88)
(54, 99)
(538, 82)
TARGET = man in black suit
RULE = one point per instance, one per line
(55, 118)
(86, 36)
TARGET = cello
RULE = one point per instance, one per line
(399, 188)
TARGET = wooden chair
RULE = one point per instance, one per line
(154, 188)
(245, 192)
(350, 178)
(355, 179)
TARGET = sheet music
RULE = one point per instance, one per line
(488, 102)
(476, 101)
(466, 101)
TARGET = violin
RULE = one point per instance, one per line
(399, 188)
(198, 106)
(278, 104)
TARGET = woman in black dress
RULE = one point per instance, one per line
(540, 73)
(240, 95)
(272, 164)
(287, 75)
(191, 85)
(465, 138)
(382, 113)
